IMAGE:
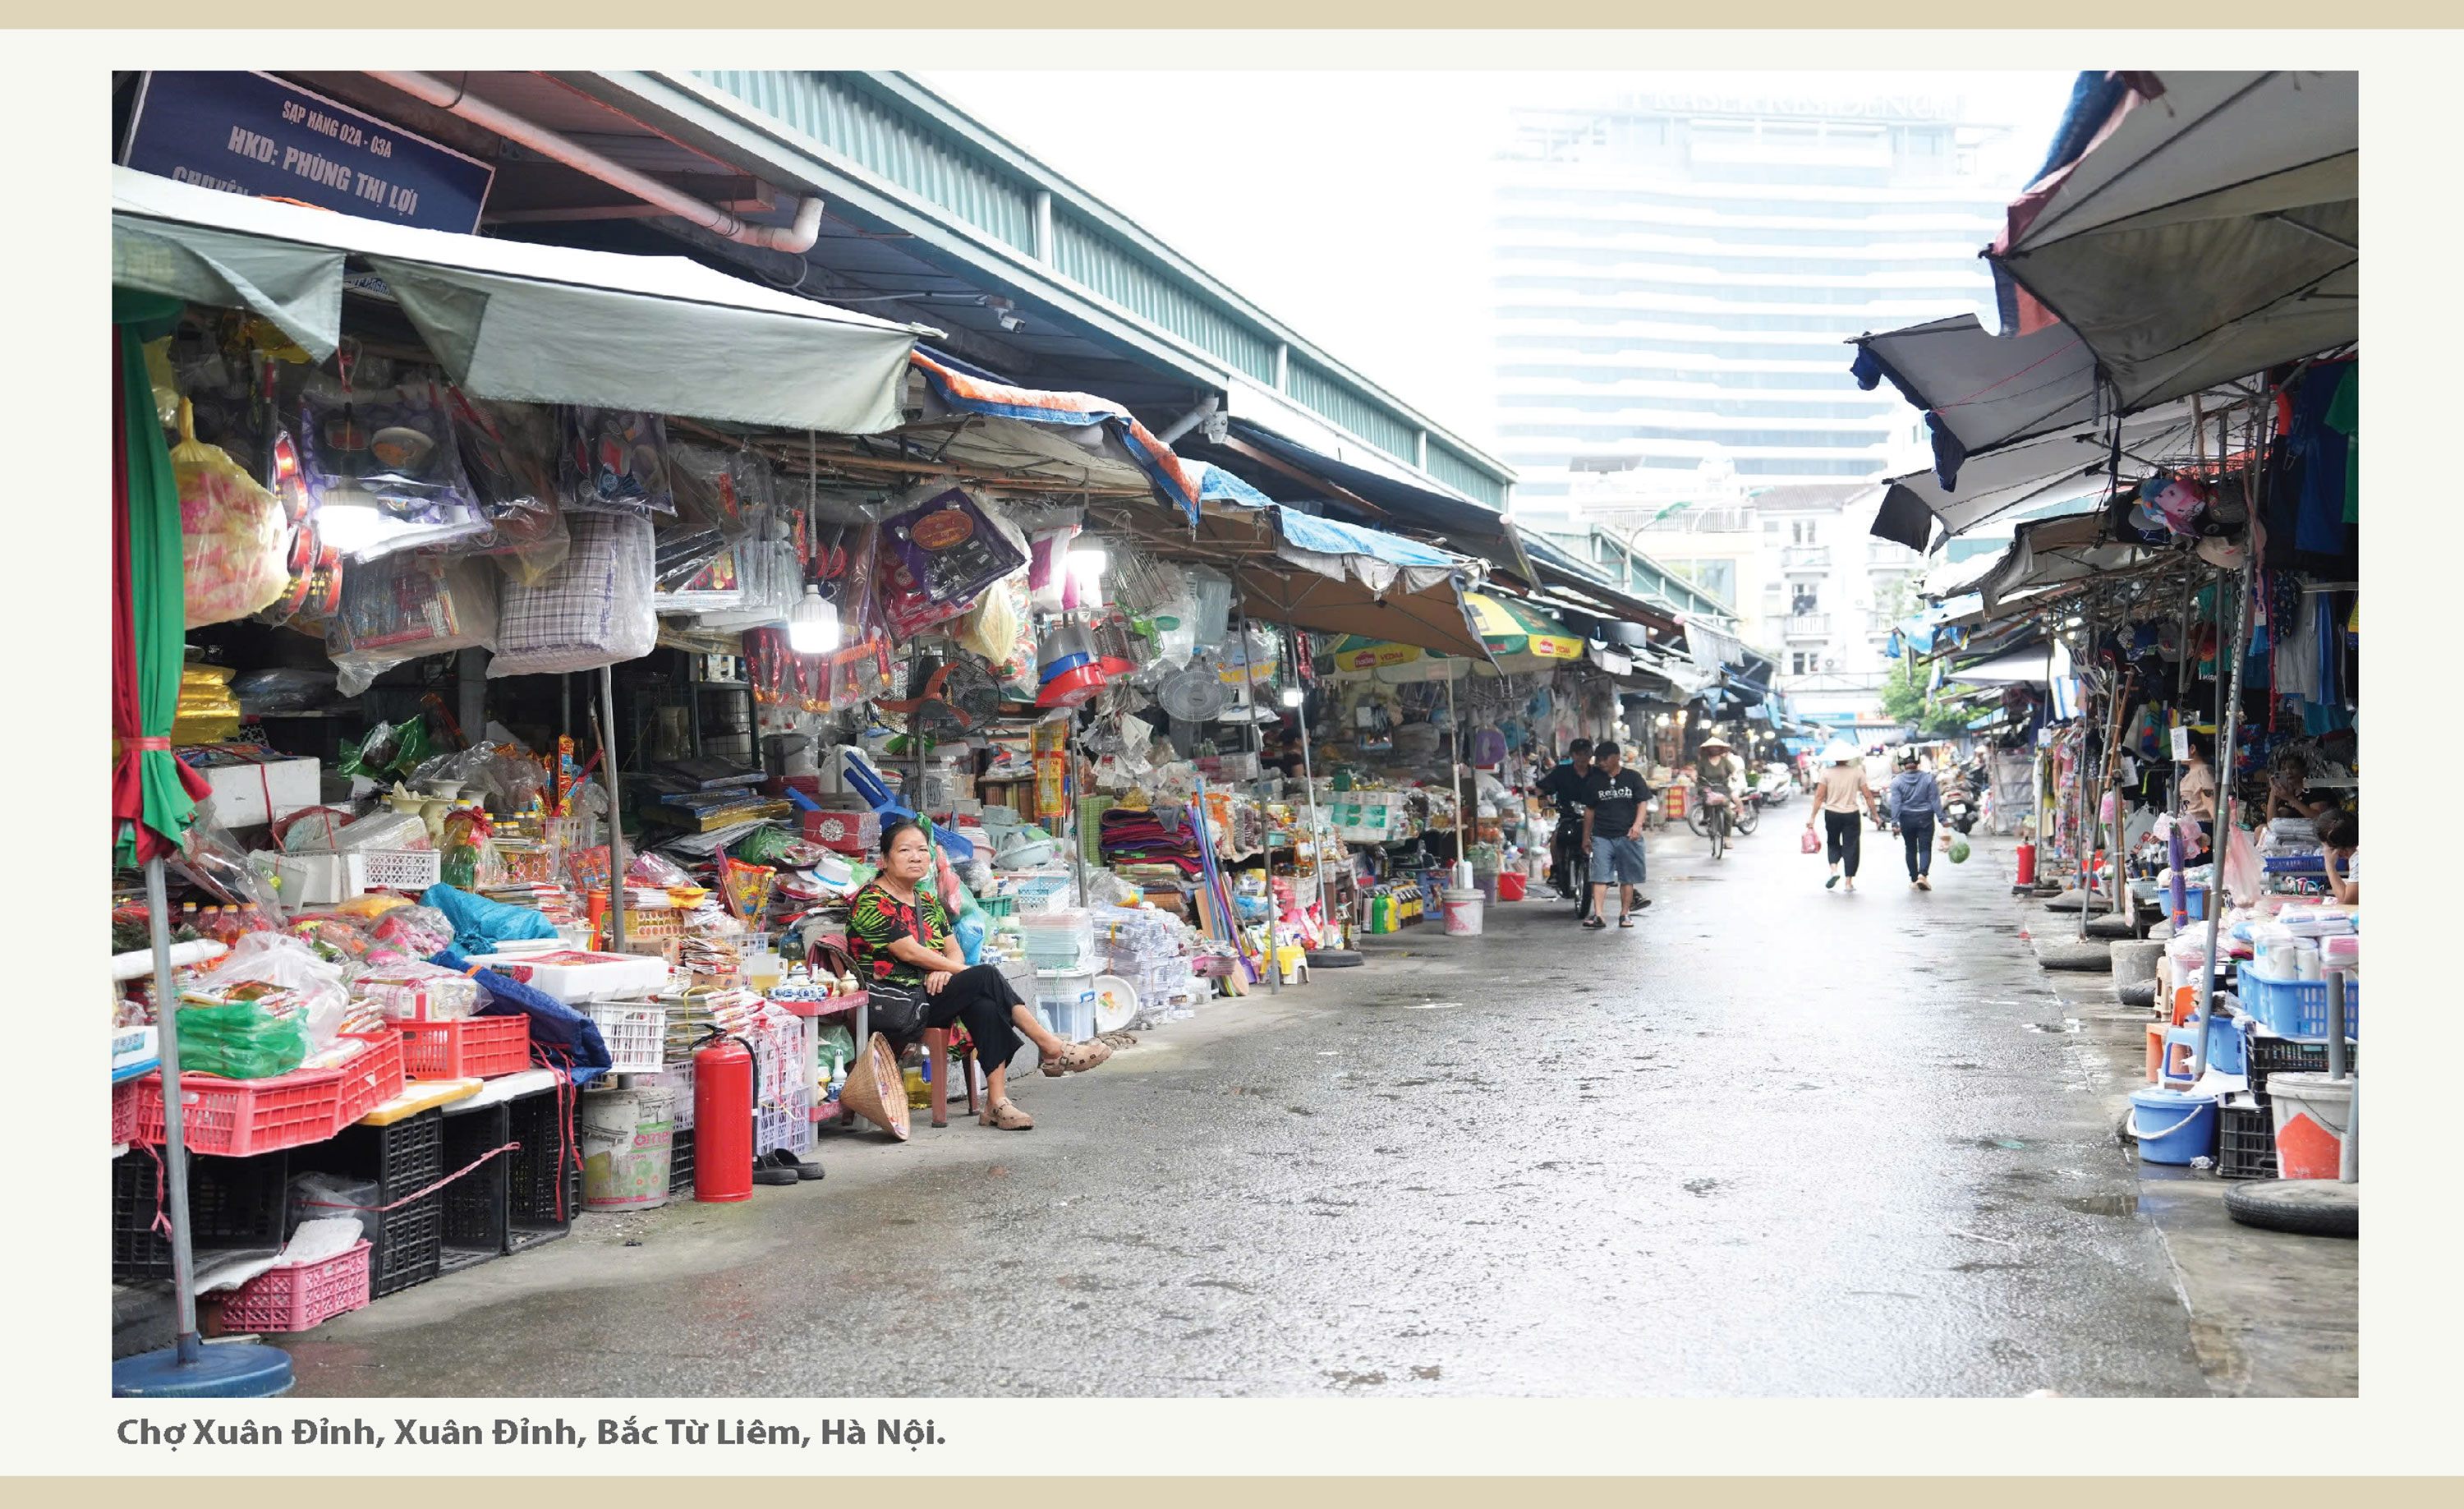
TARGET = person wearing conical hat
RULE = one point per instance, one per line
(1837, 796)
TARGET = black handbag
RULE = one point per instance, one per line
(897, 1010)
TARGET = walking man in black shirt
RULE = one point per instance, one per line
(1569, 857)
(1613, 798)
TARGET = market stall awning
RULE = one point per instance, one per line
(1319, 574)
(2063, 467)
(2193, 227)
(1979, 390)
(513, 320)
(1100, 419)
(2037, 666)
(2054, 553)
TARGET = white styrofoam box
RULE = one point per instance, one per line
(571, 975)
(315, 879)
(133, 1052)
(240, 790)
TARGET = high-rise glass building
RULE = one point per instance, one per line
(1676, 272)
(1676, 276)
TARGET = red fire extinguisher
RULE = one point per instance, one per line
(724, 1090)
(2027, 873)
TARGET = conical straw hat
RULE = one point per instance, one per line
(864, 1094)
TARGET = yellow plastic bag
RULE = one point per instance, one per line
(233, 537)
(208, 712)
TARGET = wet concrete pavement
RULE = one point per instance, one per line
(1773, 1140)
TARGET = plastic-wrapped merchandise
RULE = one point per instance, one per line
(695, 572)
(593, 611)
(418, 991)
(405, 606)
(288, 689)
(208, 712)
(765, 580)
(509, 449)
(233, 537)
(209, 856)
(242, 1040)
(419, 931)
(951, 546)
(388, 750)
(398, 455)
(280, 973)
(708, 482)
(386, 830)
(615, 462)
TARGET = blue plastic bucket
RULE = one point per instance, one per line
(2171, 1127)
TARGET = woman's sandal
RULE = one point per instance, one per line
(1005, 1117)
(1078, 1057)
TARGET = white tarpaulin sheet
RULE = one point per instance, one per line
(517, 320)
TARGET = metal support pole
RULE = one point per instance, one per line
(1308, 778)
(617, 862)
(175, 1144)
(2081, 882)
(1250, 743)
(1454, 783)
(2222, 843)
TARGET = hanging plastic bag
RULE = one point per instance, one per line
(951, 546)
(398, 456)
(405, 606)
(992, 627)
(241, 1040)
(416, 990)
(595, 609)
(234, 538)
(509, 450)
(615, 462)
(1957, 854)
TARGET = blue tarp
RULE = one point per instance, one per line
(480, 924)
(1330, 536)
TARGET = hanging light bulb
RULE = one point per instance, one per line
(1086, 567)
(813, 627)
(1291, 697)
(349, 519)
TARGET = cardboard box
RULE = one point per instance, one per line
(241, 792)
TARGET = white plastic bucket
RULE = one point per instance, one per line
(627, 1137)
(1462, 906)
(2312, 1113)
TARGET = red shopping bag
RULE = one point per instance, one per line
(1808, 844)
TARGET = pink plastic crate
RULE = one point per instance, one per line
(373, 1078)
(297, 1299)
(236, 1117)
(475, 1048)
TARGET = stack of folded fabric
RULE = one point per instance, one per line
(1162, 836)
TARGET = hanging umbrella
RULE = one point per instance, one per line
(153, 801)
(1520, 637)
(153, 796)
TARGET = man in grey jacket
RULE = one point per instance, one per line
(1915, 806)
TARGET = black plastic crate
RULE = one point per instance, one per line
(403, 1158)
(2271, 1054)
(233, 1202)
(2245, 1143)
(543, 1176)
(474, 1205)
(680, 1163)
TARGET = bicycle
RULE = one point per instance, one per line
(1718, 810)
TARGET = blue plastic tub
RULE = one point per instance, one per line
(2171, 1127)
(2297, 1009)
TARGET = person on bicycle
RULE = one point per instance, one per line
(1613, 798)
(1717, 768)
(1563, 788)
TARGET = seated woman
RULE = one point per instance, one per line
(2339, 833)
(908, 959)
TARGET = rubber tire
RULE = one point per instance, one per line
(2298, 1206)
(1718, 838)
(1746, 817)
(1694, 819)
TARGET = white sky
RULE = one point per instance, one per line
(1353, 206)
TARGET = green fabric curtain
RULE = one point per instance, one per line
(153, 600)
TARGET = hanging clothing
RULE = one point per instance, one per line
(2296, 667)
(2344, 417)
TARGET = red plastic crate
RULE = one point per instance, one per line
(237, 1118)
(372, 1079)
(297, 1299)
(475, 1048)
(123, 1111)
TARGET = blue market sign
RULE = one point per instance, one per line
(250, 133)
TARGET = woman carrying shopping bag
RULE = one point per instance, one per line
(1837, 796)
